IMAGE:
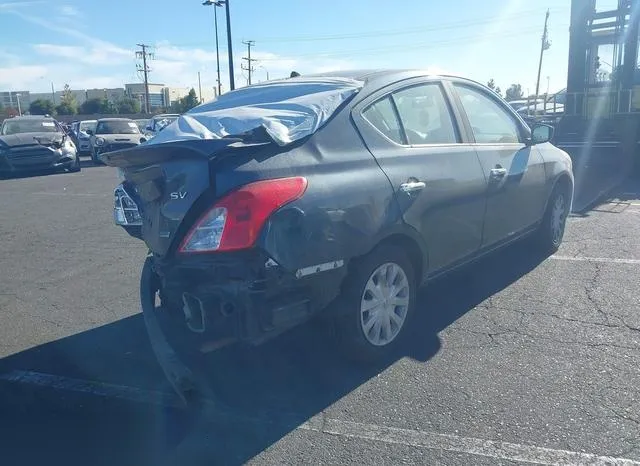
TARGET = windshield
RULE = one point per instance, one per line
(117, 127)
(159, 123)
(28, 126)
(142, 124)
(88, 125)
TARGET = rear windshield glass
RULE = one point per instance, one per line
(288, 110)
(28, 126)
(117, 127)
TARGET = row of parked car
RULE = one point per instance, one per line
(40, 142)
(94, 137)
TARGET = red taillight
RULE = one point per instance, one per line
(235, 221)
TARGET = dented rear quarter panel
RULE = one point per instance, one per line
(347, 207)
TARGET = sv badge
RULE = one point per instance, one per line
(178, 195)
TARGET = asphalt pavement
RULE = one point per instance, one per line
(517, 359)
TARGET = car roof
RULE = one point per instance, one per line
(32, 117)
(377, 78)
(164, 115)
(115, 119)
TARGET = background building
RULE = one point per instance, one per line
(157, 98)
(80, 95)
(112, 95)
(10, 99)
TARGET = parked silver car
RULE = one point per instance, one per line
(114, 134)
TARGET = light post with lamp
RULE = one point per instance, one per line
(216, 4)
(18, 100)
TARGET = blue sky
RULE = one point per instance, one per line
(91, 43)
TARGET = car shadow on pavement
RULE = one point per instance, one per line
(266, 392)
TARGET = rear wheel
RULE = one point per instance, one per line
(553, 224)
(377, 302)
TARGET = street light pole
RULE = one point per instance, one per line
(215, 19)
(18, 99)
(232, 84)
(216, 4)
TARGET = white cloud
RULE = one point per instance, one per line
(12, 5)
(109, 55)
(20, 77)
(68, 10)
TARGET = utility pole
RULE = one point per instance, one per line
(249, 68)
(53, 94)
(544, 46)
(145, 69)
(199, 88)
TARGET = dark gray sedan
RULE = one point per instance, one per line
(338, 194)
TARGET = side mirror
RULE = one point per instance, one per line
(149, 128)
(541, 133)
(89, 132)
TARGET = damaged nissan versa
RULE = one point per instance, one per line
(338, 194)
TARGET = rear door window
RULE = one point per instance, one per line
(383, 117)
(425, 115)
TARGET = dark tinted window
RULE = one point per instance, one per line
(117, 127)
(383, 117)
(29, 126)
(425, 115)
(491, 124)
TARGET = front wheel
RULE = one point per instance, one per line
(553, 224)
(76, 166)
(377, 302)
(94, 158)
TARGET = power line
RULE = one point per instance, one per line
(393, 32)
(403, 31)
(419, 45)
(249, 68)
(143, 54)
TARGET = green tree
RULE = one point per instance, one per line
(42, 107)
(492, 85)
(68, 103)
(128, 105)
(90, 107)
(514, 92)
(190, 100)
(176, 107)
(66, 109)
(186, 103)
(107, 107)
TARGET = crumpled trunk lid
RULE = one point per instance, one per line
(167, 180)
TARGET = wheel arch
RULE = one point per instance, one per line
(409, 241)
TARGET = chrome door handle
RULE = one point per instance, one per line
(497, 173)
(412, 186)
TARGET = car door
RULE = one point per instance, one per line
(514, 170)
(411, 129)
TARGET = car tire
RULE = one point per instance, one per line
(75, 168)
(551, 231)
(94, 158)
(380, 285)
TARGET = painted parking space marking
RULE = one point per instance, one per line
(54, 193)
(320, 424)
(606, 260)
(455, 443)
